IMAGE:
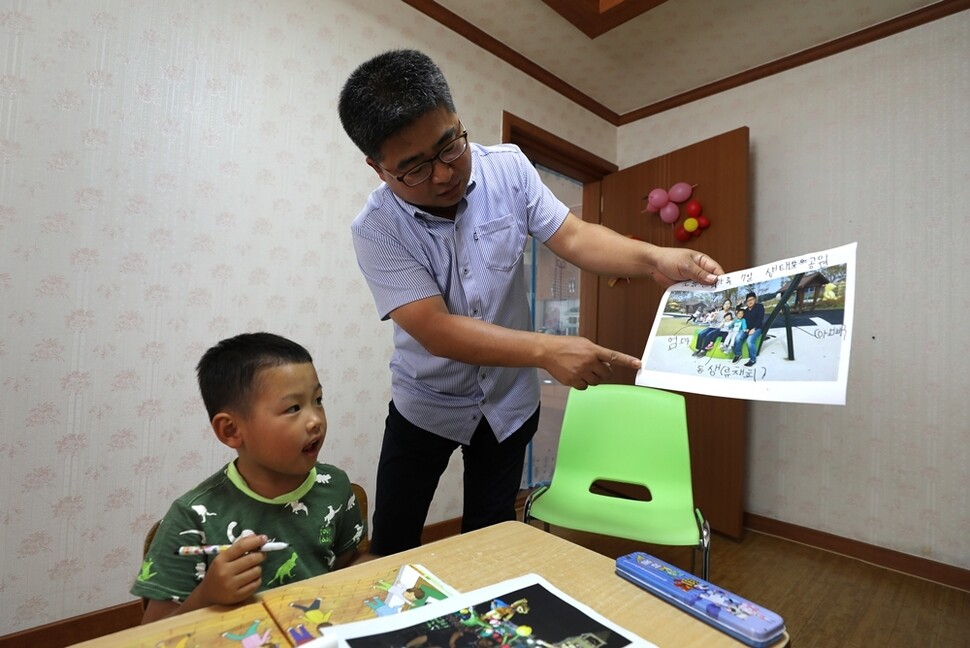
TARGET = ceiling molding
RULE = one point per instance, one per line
(462, 27)
(596, 17)
(863, 37)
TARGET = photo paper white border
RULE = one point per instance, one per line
(338, 634)
(819, 372)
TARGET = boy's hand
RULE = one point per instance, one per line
(235, 574)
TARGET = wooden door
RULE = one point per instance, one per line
(625, 311)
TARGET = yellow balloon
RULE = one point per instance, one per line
(691, 224)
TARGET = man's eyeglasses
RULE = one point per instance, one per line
(451, 152)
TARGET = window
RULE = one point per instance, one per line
(554, 297)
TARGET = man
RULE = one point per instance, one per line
(754, 317)
(440, 243)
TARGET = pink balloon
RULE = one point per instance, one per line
(657, 198)
(653, 209)
(680, 192)
(669, 213)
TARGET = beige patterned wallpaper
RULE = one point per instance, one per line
(873, 146)
(172, 172)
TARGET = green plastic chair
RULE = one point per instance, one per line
(632, 435)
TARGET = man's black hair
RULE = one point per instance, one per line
(389, 93)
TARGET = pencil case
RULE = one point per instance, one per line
(748, 623)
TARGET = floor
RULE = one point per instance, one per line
(826, 599)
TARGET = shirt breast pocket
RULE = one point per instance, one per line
(501, 243)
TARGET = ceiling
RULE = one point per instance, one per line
(655, 54)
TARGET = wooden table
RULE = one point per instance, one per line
(510, 549)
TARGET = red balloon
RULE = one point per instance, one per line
(696, 232)
(703, 222)
(681, 234)
(693, 208)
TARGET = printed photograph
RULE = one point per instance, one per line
(777, 332)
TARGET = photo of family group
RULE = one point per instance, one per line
(780, 332)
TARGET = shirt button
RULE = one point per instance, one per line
(465, 271)
(475, 312)
(482, 376)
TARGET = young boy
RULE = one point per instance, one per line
(736, 326)
(265, 402)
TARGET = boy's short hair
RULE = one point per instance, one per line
(389, 93)
(228, 371)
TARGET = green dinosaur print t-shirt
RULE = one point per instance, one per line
(320, 520)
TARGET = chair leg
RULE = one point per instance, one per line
(706, 552)
(527, 509)
(704, 545)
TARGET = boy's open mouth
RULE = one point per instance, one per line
(312, 446)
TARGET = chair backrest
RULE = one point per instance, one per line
(148, 538)
(628, 434)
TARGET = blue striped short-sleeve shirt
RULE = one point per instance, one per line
(475, 263)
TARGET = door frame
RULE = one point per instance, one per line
(562, 156)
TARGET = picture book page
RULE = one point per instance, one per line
(247, 625)
(304, 610)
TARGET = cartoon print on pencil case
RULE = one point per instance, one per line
(250, 638)
(285, 570)
(719, 600)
